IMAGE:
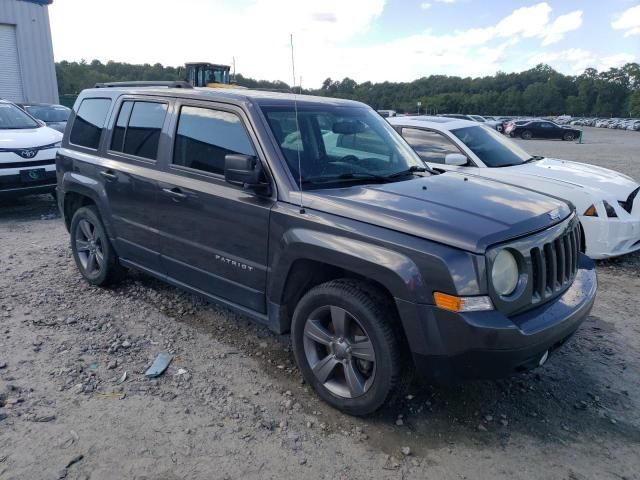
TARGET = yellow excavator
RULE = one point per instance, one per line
(204, 74)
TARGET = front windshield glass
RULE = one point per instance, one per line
(13, 118)
(49, 114)
(494, 149)
(339, 145)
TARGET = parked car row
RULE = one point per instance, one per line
(493, 122)
(618, 123)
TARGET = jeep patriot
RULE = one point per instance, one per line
(314, 217)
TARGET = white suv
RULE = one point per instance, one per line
(27, 153)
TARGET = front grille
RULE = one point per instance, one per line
(554, 264)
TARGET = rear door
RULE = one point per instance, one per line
(214, 235)
(130, 177)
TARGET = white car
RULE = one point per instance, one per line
(27, 153)
(607, 202)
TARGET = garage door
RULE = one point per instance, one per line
(10, 80)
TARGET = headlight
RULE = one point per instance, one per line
(504, 273)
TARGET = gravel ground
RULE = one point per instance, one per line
(233, 405)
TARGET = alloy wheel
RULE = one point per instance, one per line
(89, 247)
(339, 352)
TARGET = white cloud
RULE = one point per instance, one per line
(425, 5)
(576, 60)
(572, 60)
(629, 21)
(328, 36)
(614, 61)
(561, 25)
(446, 1)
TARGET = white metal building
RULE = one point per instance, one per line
(27, 68)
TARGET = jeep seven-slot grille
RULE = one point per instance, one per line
(554, 265)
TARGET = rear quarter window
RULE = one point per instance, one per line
(89, 122)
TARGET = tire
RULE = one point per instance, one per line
(567, 137)
(355, 383)
(526, 135)
(89, 243)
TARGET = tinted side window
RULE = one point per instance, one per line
(89, 122)
(430, 146)
(137, 130)
(205, 136)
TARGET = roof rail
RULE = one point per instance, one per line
(168, 84)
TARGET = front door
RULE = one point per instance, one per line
(214, 235)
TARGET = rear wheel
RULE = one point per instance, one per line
(92, 251)
(526, 135)
(346, 347)
(568, 136)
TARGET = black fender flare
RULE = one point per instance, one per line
(395, 271)
(73, 182)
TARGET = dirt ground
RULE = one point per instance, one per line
(233, 405)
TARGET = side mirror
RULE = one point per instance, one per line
(243, 170)
(456, 159)
(41, 123)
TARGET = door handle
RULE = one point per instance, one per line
(109, 174)
(175, 193)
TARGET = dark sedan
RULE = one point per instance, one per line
(55, 116)
(541, 129)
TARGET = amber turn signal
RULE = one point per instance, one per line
(447, 302)
(462, 304)
(591, 212)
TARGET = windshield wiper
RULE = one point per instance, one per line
(533, 159)
(411, 170)
(344, 177)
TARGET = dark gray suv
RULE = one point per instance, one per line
(312, 215)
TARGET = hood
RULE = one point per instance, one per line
(29, 137)
(578, 183)
(467, 212)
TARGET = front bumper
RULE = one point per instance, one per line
(13, 183)
(611, 237)
(448, 347)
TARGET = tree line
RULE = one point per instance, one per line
(538, 91)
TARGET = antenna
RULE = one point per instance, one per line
(295, 106)
(234, 69)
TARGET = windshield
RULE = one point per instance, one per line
(337, 145)
(49, 113)
(494, 149)
(12, 118)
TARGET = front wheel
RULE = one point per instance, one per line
(346, 346)
(568, 136)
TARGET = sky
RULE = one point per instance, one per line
(375, 40)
